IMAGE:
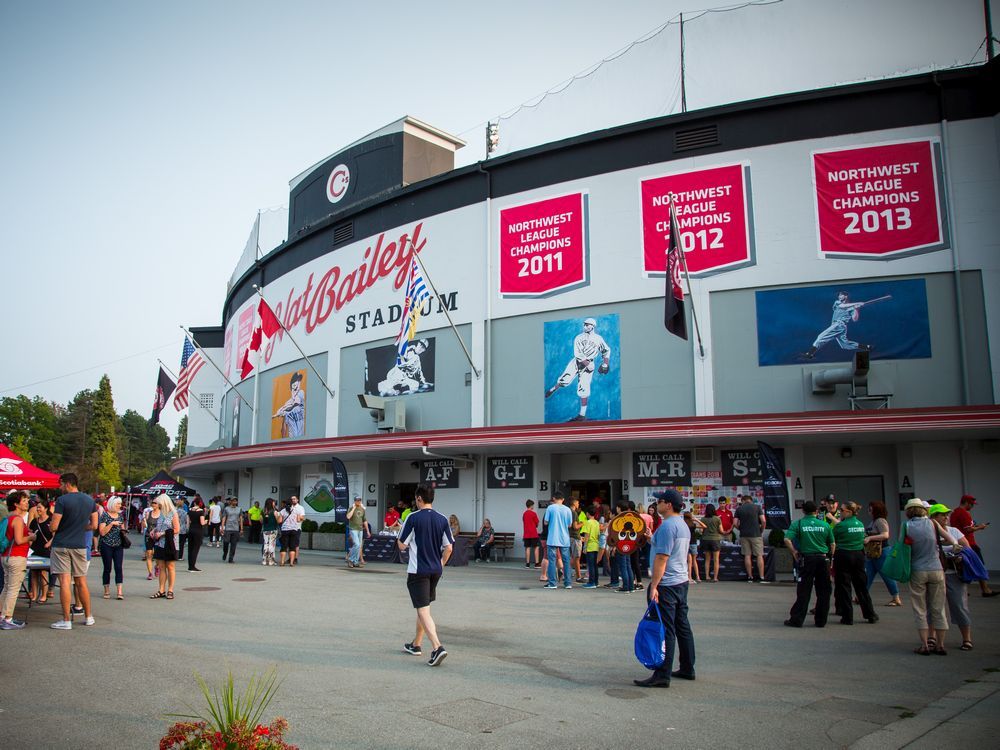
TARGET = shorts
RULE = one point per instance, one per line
(602, 541)
(290, 540)
(213, 529)
(753, 545)
(531, 543)
(64, 560)
(148, 543)
(422, 588)
(693, 549)
(162, 553)
(710, 545)
(575, 546)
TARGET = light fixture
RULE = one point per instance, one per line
(414, 465)
(595, 459)
(846, 452)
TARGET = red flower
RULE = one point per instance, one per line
(262, 731)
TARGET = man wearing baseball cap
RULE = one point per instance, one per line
(668, 588)
(961, 519)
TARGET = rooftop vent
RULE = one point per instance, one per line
(343, 232)
(702, 137)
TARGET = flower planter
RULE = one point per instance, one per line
(325, 541)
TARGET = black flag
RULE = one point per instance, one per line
(164, 387)
(772, 470)
(673, 308)
(341, 499)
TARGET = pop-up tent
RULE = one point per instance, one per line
(160, 484)
(18, 474)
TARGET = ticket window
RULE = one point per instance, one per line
(587, 492)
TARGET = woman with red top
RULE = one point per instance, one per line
(15, 557)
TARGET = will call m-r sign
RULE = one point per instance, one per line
(667, 469)
(510, 473)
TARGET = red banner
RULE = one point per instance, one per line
(877, 201)
(543, 246)
(244, 330)
(227, 359)
(713, 215)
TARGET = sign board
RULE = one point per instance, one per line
(510, 473)
(667, 469)
(439, 473)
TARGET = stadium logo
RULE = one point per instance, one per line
(337, 184)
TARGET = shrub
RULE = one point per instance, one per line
(309, 525)
(331, 527)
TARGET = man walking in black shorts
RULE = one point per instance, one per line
(427, 535)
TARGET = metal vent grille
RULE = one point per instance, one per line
(704, 454)
(207, 400)
(343, 232)
(686, 140)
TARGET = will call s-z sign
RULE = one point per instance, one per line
(543, 246)
(880, 201)
(714, 218)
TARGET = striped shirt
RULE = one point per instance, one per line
(426, 533)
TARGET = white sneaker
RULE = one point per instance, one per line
(62, 625)
(90, 621)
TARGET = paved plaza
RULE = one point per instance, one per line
(527, 667)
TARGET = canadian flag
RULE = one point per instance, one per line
(267, 326)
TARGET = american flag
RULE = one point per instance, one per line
(416, 295)
(191, 362)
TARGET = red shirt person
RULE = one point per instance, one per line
(961, 519)
(725, 516)
(530, 521)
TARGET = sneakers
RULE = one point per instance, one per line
(411, 649)
(437, 656)
(89, 621)
(11, 625)
(149, 577)
(590, 586)
(550, 586)
(76, 611)
(61, 625)
(567, 585)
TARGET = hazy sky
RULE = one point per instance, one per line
(139, 139)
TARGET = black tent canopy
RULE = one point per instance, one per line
(161, 484)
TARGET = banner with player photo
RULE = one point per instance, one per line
(415, 374)
(829, 323)
(288, 405)
(582, 372)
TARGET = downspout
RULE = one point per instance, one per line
(487, 341)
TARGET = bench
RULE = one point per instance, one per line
(502, 541)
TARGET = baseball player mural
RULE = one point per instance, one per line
(408, 375)
(844, 312)
(591, 351)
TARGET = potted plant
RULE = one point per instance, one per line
(329, 536)
(308, 527)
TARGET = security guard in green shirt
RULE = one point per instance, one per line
(849, 567)
(810, 540)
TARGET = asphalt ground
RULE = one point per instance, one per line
(527, 667)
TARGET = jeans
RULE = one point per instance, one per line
(674, 613)
(109, 556)
(567, 573)
(873, 567)
(356, 541)
(482, 551)
(181, 541)
(613, 567)
(592, 568)
(625, 572)
(229, 541)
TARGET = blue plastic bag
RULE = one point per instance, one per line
(651, 639)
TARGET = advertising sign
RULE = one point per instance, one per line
(829, 323)
(667, 469)
(440, 474)
(582, 371)
(714, 216)
(543, 246)
(510, 473)
(741, 467)
(775, 488)
(880, 201)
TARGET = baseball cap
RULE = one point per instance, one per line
(671, 496)
(590, 322)
(968, 499)
(937, 509)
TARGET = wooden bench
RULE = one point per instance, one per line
(502, 541)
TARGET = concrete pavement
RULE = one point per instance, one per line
(527, 667)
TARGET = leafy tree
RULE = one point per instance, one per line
(35, 422)
(20, 446)
(180, 442)
(108, 473)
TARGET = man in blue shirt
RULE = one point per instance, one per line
(559, 518)
(668, 588)
(75, 514)
(427, 535)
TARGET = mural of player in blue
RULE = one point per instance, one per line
(844, 312)
(293, 411)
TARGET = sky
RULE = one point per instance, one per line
(139, 140)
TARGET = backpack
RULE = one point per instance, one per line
(651, 639)
(4, 541)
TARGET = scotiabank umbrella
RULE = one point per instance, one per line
(18, 474)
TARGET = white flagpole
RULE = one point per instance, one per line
(256, 375)
(210, 412)
(444, 307)
(212, 362)
(687, 277)
(292, 339)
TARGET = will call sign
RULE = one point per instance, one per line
(666, 469)
(510, 473)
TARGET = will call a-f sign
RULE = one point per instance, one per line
(543, 246)
(714, 219)
(880, 201)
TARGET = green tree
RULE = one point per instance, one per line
(20, 446)
(108, 473)
(34, 421)
(180, 442)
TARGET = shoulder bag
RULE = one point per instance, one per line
(897, 565)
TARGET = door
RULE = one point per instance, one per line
(862, 489)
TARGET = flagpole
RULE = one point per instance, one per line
(211, 413)
(444, 307)
(256, 375)
(292, 339)
(687, 276)
(212, 362)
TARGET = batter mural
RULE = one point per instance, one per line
(288, 399)
(575, 351)
(415, 374)
(888, 319)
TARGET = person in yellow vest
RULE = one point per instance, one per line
(256, 516)
(810, 540)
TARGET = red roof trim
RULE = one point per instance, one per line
(748, 425)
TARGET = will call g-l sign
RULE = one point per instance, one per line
(543, 246)
(714, 219)
(510, 473)
(879, 202)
